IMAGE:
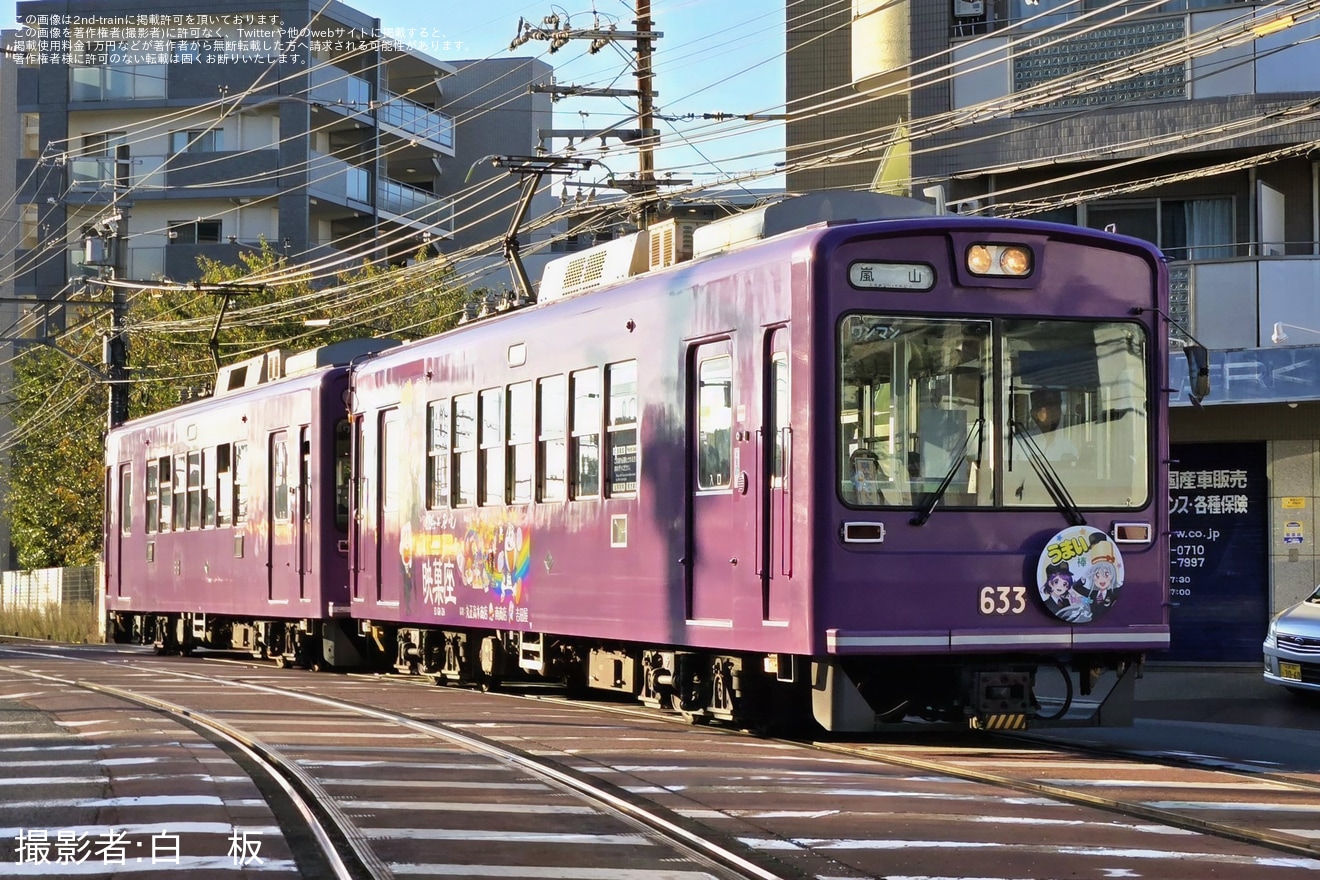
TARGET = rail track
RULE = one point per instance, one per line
(656, 847)
(397, 773)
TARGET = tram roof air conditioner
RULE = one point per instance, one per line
(671, 241)
(595, 267)
(249, 373)
(801, 211)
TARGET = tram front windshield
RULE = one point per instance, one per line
(992, 413)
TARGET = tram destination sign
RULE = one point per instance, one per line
(892, 276)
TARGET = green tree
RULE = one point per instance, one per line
(55, 461)
(176, 337)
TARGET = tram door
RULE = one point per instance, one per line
(125, 497)
(282, 523)
(712, 530)
(390, 474)
(776, 514)
(304, 510)
(359, 551)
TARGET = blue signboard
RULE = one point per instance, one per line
(1218, 555)
(1252, 375)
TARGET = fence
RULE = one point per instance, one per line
(50, 586)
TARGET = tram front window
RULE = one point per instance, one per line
(978, 413)
(1076, 401)
(914, 411)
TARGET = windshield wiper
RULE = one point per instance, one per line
(1047, 474)
(928, 505)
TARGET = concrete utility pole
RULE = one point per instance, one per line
(645, 137)
(116, 342)
(106, 247)
(645, 109)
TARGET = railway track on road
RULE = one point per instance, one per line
(417, 770)
(524, 807)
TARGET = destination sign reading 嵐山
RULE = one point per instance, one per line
(892, 276)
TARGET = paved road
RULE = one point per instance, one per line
(1225, 710)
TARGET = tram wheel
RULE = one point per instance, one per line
(695, 717)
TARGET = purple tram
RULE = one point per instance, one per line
(226, 519)
(858, 471)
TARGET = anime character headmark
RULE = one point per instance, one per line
(1102, 575)
(1061, 597)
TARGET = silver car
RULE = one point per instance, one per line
(1292, 646)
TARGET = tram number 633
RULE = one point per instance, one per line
(1003, 600)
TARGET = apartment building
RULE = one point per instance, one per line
(191, 134)
(1193, 124)
(11, 315)
(499, 113)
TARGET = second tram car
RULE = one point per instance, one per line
(227, 517)
(859, 471)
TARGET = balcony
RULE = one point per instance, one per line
(404, 118)
(411, 120)
(333, 87)
(94, 178)
(339, 181)
(1234, 303)
(144, 263)
(349, 185)
(415, 208)
(129, 82)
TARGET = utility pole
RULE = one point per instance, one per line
(106, 247)
(557, 32)
(645, 110)
(116, 343)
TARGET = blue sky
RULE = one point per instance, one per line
(715, 56)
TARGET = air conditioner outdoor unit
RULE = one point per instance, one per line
(968, 8)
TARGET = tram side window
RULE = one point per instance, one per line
(437, 454)
(584, 386)
(621, 427)
(552, 408)
(180, 480)
(305, 502)
(464, 473)
(152, 498)
(126, 499)
(279, 462)
(195, 490)
(224, 486)
(344, 472)
(715, 423)
(240, 483)
(208, 487)
(522, 448)
(166, 494)
(779, 371)
(491, 442)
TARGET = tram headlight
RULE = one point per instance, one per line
(979, 260)
(1015, 261)
(1003, 260)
